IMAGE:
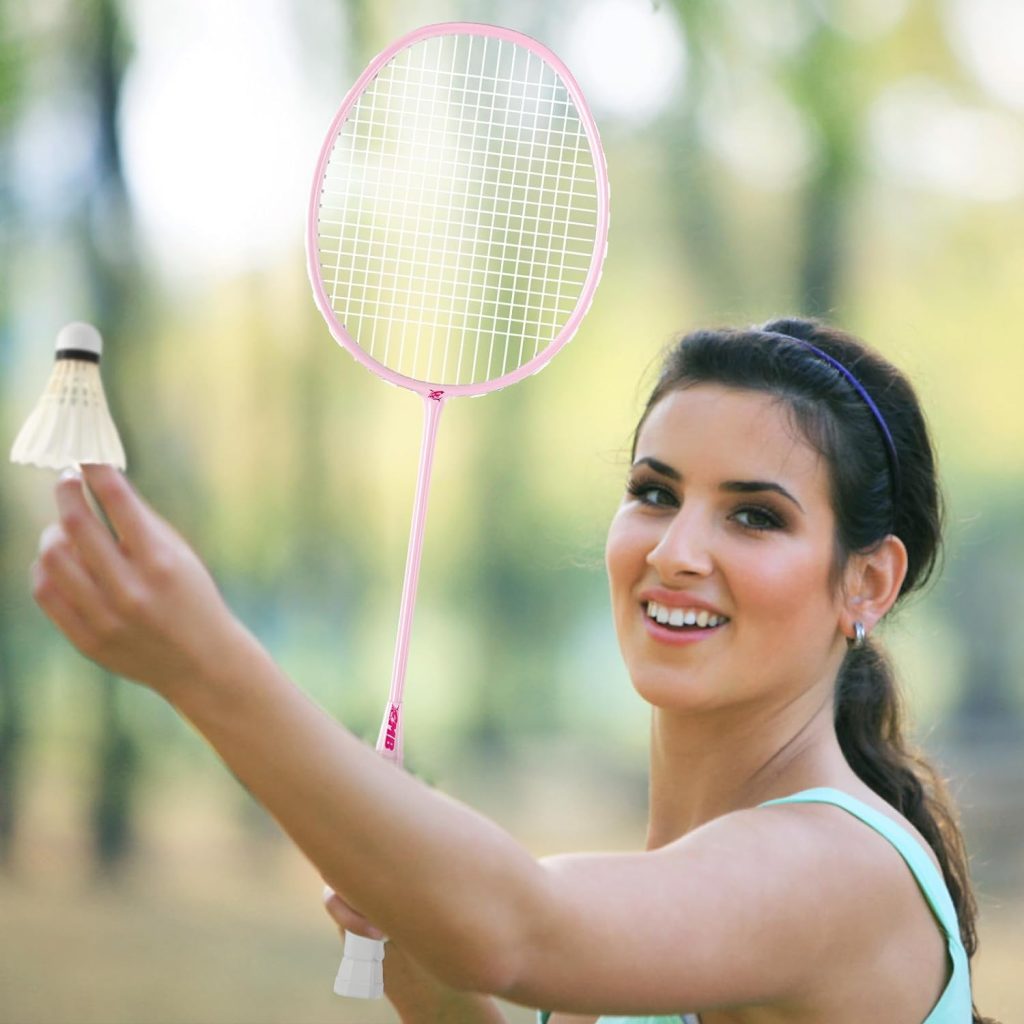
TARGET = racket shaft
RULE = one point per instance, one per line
(389, 742)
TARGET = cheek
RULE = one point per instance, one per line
(625, 551)
(624, 559)
(785, 586)
(614, 554)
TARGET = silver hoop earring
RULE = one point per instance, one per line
(859, 634)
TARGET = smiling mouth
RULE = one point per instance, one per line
(683, 620)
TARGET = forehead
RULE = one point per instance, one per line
(732, 434)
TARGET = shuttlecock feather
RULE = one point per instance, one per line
(71, 423)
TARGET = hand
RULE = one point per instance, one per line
(139, 601)
(415, 993)
(348, 918)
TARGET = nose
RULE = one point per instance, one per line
(684, 548)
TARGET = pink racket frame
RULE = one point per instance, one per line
(389, 743)
(590, 285)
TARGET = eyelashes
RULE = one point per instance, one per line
(759, 518)
(639, 488)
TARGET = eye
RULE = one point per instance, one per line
(755, 517)
(647, 492)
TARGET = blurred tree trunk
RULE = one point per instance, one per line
(117, 775)
(822, 84)
(693, 203)
(824, 89)
(983, 604)
(105, 236)
(12, 709)
(505, 591)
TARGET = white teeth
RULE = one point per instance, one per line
(684, 616)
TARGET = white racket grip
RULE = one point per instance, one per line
(361, 974)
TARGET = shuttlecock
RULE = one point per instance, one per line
(71, 423)
(361, 975)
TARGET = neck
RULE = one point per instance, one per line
(702, 769)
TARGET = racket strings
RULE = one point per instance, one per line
(459, 211)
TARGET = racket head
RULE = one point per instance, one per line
(349, 251)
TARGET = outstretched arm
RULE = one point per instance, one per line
(445, 882)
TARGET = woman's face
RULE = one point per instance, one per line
(727, 511)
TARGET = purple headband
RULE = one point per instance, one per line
(890, 445)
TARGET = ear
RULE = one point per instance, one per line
(871, 584)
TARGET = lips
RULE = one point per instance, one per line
(674, 637)
(679, 599)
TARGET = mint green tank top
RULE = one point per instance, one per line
(954, 1005)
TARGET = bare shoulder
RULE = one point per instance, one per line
(892, 931)
(816, 900)
(835, 863)
(832, 815)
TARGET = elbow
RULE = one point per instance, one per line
(482, 956)
(483, 978)
(489, 945)
(487, 966)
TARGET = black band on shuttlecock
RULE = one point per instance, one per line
(81, 354)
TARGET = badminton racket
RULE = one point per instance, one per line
(458, 223)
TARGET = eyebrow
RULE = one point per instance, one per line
(733, 486)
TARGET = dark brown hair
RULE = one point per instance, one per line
(871, 498)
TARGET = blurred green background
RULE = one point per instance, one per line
(857, 159)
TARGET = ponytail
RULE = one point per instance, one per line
(869, 722)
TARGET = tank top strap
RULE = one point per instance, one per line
(685, 1018)
(929, 878)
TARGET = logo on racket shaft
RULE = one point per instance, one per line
(392, 730)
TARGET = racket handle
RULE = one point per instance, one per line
(361, 974)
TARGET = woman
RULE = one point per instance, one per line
(782, 497)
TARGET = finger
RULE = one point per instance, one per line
(350, 919)
(134, 522)
(58, 610)
(61, 570)
(92, 540)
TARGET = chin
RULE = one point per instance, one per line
(674, 689)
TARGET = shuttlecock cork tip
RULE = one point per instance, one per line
(79, 337)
